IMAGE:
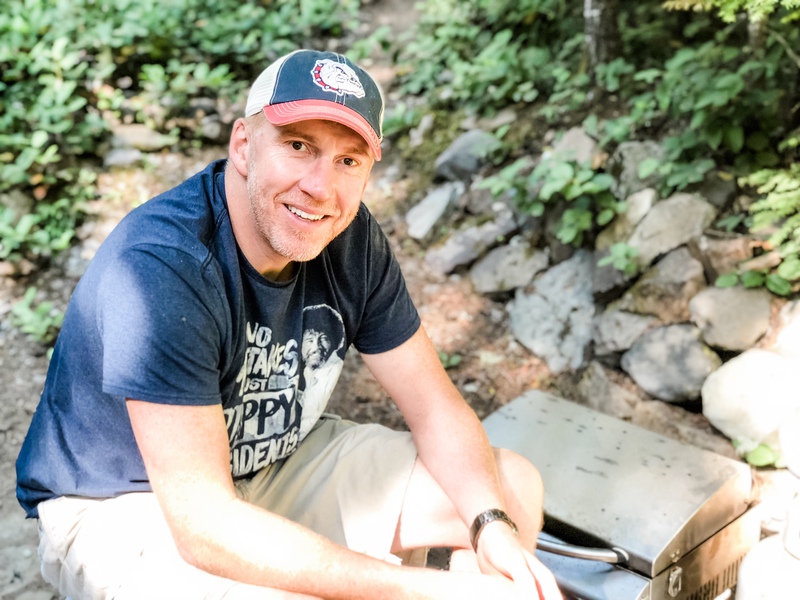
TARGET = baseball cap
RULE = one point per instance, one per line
(308, 84)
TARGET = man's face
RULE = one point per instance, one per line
(304, 183)
(316, 348)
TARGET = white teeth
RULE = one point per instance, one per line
(304, 215)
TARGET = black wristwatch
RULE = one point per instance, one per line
(487, 516)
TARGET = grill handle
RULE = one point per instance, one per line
(614, 556)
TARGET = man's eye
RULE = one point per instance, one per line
(298, 145)
(350, 162)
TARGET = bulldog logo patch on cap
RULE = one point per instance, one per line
(337, 77)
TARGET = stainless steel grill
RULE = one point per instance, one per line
(668, 521)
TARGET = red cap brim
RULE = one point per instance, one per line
(305, 110)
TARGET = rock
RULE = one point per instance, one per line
(18, 202)
(139, 136)
(122, 157)
(787, 342)
(722, 255)
(768, 571)
(764, 262)
(751, 395)
(669, 224)
(608, 282)
(666, 289)
(597, 390)
(416, 136)
(617, 330)
(465, 156)
(213, 129)
(789, 439)
(717, 188)
(506, 116)
(554, 321)
(623, 225)
(508, 267)
(671, 363)
(624, 165)
(731, 318)
(465, 246)
(423, 218)
(576, 145)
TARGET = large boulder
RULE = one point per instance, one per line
(731, 318)
(671, 223)
(752, 395)
(554, 319)
(671, 363)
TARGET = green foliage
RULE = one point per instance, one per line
(485, 54)
(66, 62)
(729, 9)
(774, 282)
(779, 212)
(622, 257)
(719, 104)
(586, 193)
(41, 321)
(763, 455)
(449, 361)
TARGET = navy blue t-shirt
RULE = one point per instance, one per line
(169, 311)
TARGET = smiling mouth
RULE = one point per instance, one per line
(304, 215)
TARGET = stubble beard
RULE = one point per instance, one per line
(288, 243)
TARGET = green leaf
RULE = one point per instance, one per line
(647, 75)
(558, 170)
(698, 119)
(727, 280)
(39, 138)
(757, 141)
(778, 285)
(789, 269)
(605, 217)
(604, 181)
(752, 279)
(734, 138)
(762, 456)
(550, 188)
(647, 167)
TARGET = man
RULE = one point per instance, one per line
(167, 458)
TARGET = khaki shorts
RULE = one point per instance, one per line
(345, 482)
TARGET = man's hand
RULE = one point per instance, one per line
(500, 553)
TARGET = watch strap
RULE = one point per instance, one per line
(486, 517)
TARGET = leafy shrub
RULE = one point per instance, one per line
(485, 54)
(65, 62)
(39, 320)
(586, 193)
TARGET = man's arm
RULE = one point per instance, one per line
(454, 449)
(185, 450)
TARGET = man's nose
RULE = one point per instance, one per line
(319, 180)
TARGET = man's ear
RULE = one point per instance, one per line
(237, 147)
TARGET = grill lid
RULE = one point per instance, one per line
(613, 483)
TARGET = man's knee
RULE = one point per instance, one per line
(520, 478)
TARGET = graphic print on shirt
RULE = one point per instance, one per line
(282, 388)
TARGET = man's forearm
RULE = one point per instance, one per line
(241, 547)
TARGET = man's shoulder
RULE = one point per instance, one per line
(186, 217)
